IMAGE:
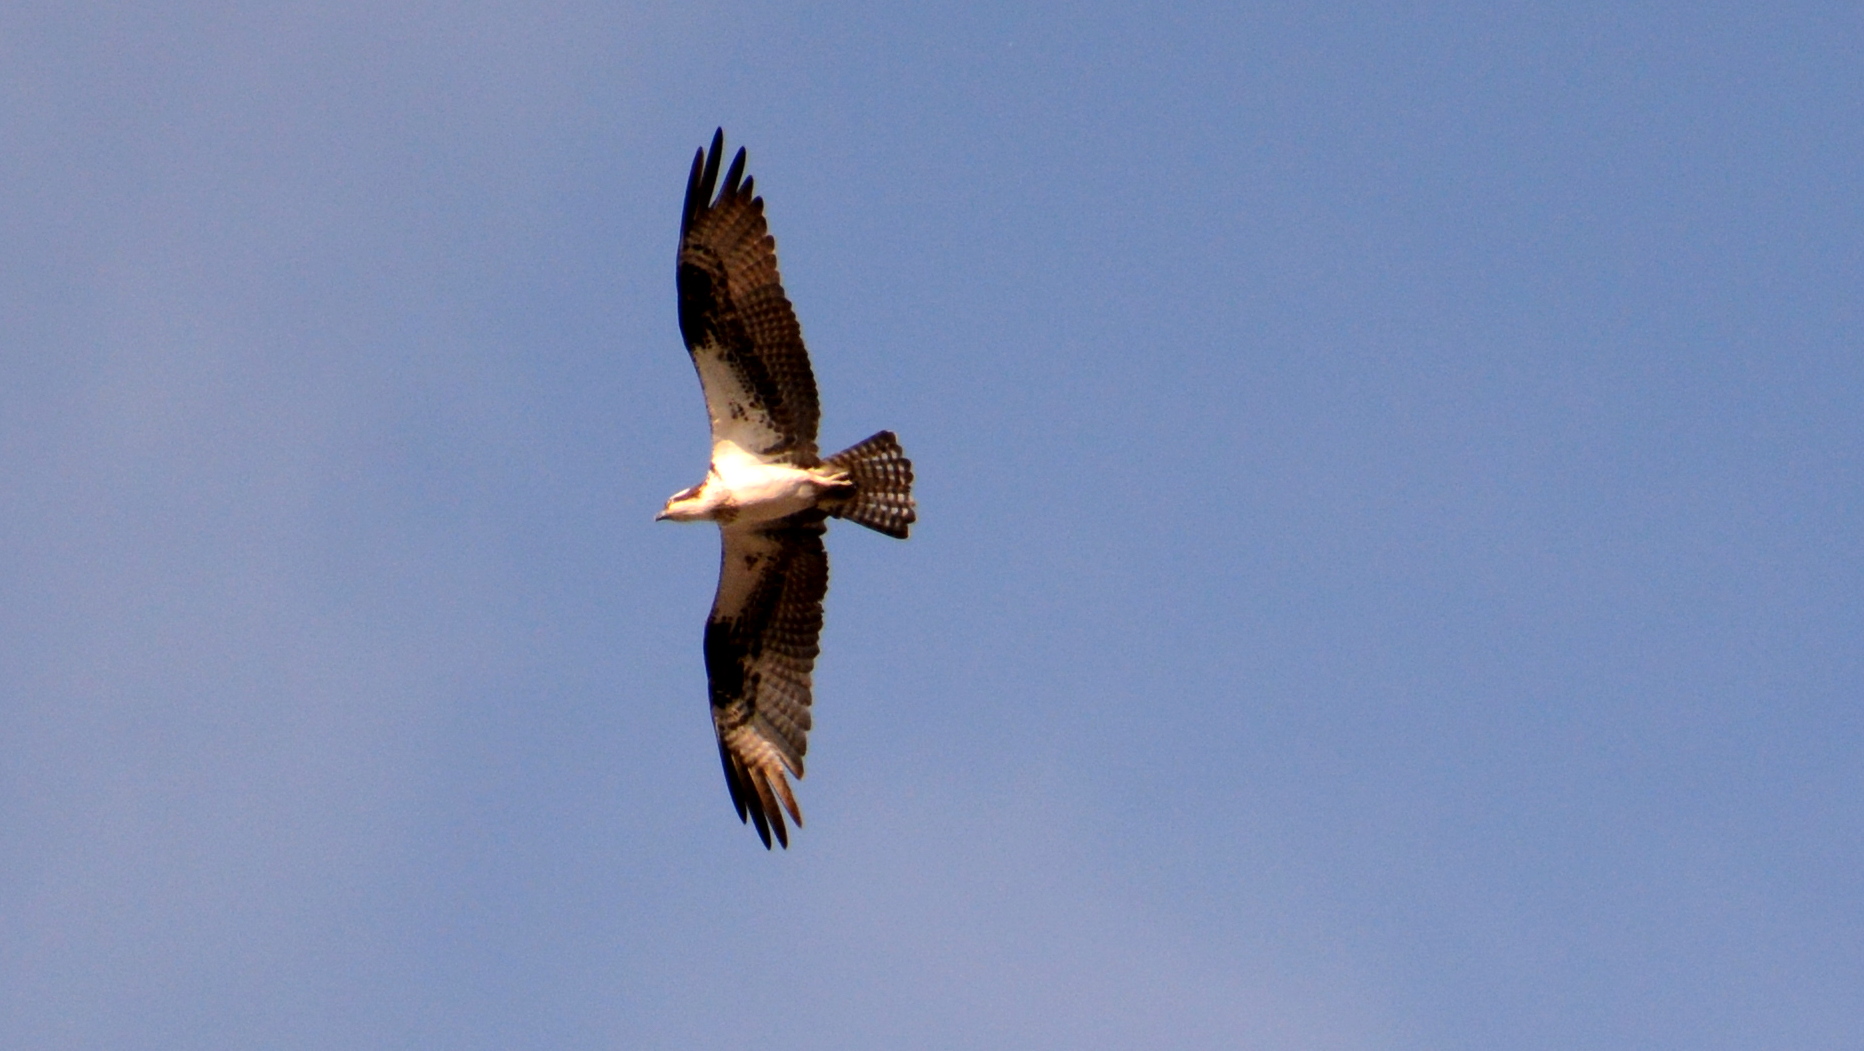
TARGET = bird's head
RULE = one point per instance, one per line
(689, 505)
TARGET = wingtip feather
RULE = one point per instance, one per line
(708, 179)
(691, 207)
(760, 795)
(733, 778)
(788, 798)
(763, 827)
(760, 778)
(734, 174)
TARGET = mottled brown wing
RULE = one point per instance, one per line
(760, 647)
(737, 323)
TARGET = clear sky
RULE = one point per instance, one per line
(1390, 571)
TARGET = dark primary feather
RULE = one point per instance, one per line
(737, 323)
(760, 650)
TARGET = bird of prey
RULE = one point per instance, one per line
(767, 489)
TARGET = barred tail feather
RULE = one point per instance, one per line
(883, 486)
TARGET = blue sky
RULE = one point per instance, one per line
(1388, 576)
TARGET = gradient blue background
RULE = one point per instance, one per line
(1389, 575)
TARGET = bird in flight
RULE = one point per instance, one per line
(767, 489)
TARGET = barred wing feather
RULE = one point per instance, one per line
(738, 325)
(760, 648)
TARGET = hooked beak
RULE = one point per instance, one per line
(662, 516)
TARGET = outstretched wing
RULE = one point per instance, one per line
(737, 323)
(760, 645)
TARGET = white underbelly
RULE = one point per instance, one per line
(761, 492)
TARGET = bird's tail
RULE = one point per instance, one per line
(882, 477)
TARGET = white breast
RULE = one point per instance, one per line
(761, 490)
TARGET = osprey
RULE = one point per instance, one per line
(767, 489)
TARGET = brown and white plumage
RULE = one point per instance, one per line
(760, 645)
(767, 489)
(737, 322)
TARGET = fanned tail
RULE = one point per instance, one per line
(882, 476)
